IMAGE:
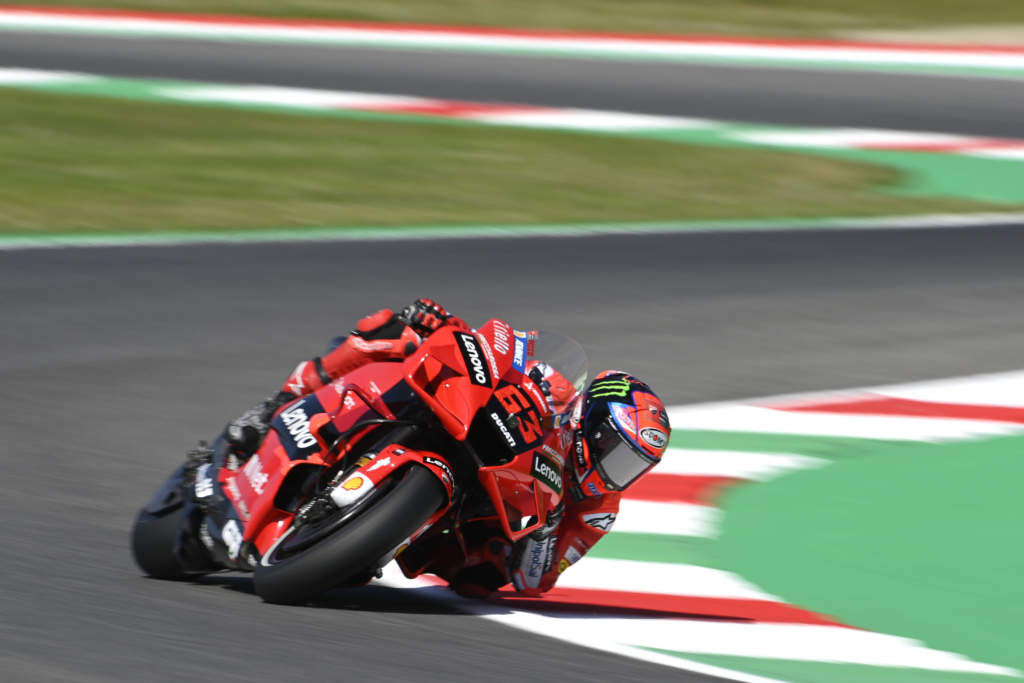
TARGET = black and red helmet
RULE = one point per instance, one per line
(623, 432)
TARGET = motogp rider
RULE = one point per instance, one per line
(611, 434)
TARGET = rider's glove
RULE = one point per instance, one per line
(246, 431)
(553, 520)
(425, 316)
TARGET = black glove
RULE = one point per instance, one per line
(424, 316)
(553, 520)
(246, 432)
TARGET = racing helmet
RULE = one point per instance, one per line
(623, 431)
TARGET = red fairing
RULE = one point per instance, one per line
(456, 371)
(345, 402)
(517, 453)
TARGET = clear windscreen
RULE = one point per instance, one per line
(563, 354)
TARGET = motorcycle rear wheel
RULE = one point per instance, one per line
(354, 547)
(154, 542)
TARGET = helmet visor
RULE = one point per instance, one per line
(618, 463)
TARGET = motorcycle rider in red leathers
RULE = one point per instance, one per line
(616, 431)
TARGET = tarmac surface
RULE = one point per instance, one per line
(116, 360)
(948, 104)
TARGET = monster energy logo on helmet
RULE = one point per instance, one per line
(609, 387)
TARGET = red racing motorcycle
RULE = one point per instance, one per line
(418, 461)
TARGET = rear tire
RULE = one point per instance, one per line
(155, 539)
(355, 547)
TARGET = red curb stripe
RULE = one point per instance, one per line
(596, 602)
(592, 602)
(947, 147)
(678, 488)
(525, 33)
(883, 405)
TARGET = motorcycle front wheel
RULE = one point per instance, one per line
(297, 572)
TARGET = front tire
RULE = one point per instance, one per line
(356, 546)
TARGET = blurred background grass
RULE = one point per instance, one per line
(73, 163)
(751, 17)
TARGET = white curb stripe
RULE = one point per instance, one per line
(747, 418)
(678, 519)
(557, 628)
(290, 97)
(1009, 153)
(596, 573)
(588, 119)
(797, 642)
(11, 76)
(1005, 389)
(565, 119)
(736, 464)
(856, 138)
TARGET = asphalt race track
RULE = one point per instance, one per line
(907, 102)
(114, 361)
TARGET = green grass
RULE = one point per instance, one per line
(88, 164)
(768, 17)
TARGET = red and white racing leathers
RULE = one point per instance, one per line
(536, 565)
(532, 565)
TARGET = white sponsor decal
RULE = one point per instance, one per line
(573, 555)
(295, 383)
(559, 458)
(504, 430)
(204, 535)
(352, 489)
(519, 358)
(255, 475)
(654, 437)
(489, 355)
(204, 484)
(382, 462)
(240, 505)
(502, 337)
(232, 536)
(297, 422)
(538, 558)
(369, 346)
(542, 468)
(476, 366)
(600, 520)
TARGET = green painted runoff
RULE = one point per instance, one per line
(921, 542)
